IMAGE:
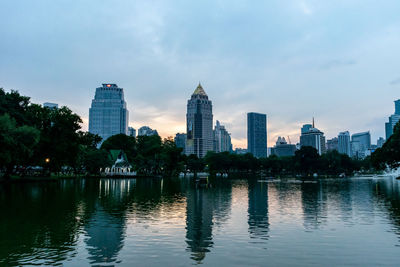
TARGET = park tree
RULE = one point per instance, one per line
(389, 154)
(171, 157)
(17, 144)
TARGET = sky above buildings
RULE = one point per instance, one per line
(338, 61)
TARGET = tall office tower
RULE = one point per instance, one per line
(380, 142)
(199, 122)
(180, 140)
(344, 143)
(313, 137)
(393, 120)
(360, 144)
(108, 115)
(131, 131)
(50, 105)
(146, 131)
(222, 139)
(332, 144)
(257, 134)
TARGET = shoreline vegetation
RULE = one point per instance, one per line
(46, 143)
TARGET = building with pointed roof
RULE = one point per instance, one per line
(199, 122)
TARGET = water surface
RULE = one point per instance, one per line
(144, 222)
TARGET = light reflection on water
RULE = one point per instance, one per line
(173, 222)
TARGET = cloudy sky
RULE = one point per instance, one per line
(338, 61)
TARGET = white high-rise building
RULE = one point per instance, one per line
(344, 146)
(108, 114)
(222, 139)
(199, 123)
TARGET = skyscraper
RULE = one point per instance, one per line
(257, 134)
(222, 139)
(199, 122)
(311, 136)
(108, 114)
(393, 120)
(360, 144)
(344, 143)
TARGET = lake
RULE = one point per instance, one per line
(174, 222)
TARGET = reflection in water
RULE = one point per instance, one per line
(132, 222)
(205, 206)
(314, 205)
(258, 210)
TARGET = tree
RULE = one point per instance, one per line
(171, 157)
(17, 144)
(389, 153)
(122, 142)
(307, 160)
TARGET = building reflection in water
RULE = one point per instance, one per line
(206, 207)
(106, 222)
(314, 204)
(258, 210)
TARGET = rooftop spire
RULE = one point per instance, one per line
(313, 124)
(199, 90)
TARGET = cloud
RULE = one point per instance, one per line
(337, 64)
(395, 81)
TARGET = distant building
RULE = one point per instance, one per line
(131, 131)
(393, 120)
(50, 105)
(282, 148)
(180, 140)
(344, 143)
(306, 128)
(222, 139)
(380, 142)
(360, 144)
(199, 123)
(257, 134)
(108, 114)
(146, 131)
(313, 137)
(332, 144)
(240, 151)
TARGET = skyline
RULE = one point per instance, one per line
(291, 61)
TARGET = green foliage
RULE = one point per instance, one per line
(389, 153)
(17, 143)
(122, 142)
(94, 159)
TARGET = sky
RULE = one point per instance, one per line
(337, 61)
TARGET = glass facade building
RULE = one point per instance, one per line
(108, 114)
(344, 143)
(257, 134)
(199, 124)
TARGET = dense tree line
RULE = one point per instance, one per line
(388, 156)
(306, 162)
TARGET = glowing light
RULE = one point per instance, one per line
(108, 85)
(47, 160)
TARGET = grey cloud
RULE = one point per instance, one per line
(395, 81)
